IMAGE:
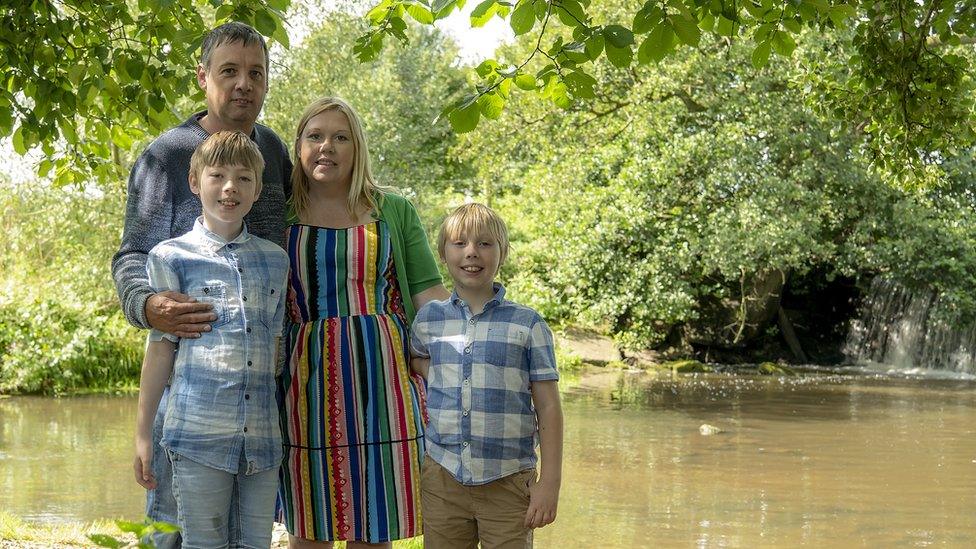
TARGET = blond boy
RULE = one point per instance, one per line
(492, 398)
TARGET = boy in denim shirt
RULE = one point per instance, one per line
(491, 360)
(221, 430)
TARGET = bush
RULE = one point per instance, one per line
(50, 349)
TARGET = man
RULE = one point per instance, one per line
(233, 71)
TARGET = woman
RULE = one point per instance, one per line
(351, 414)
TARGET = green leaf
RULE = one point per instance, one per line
(18, 141)
(486, 67)
(131, 527)
(134, 68)
(725, 26)
(657, 45)
(760, 55)
(618, 36)
(103, 540)
(594, 46)
(619, 57)
(223, 12)
(570, 13)
(264, 22)
(465, 119)
(280, 5)
(525, 82)
(420, 14)
(523, 18)
(686, 29)
(441, 5)
(643, 21)
(483, 12)
(165, 527)
(783, 43)
(491, 105)
(378, 14)
(559, 94)
(580, 84)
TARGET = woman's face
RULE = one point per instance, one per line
(327, 149)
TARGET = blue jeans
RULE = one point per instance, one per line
(219, 509)
(160, 504)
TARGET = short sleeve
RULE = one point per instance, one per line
(421, 267)
(162, 277)
(418, 337)
(542, 353)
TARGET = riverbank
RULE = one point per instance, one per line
(16, 533)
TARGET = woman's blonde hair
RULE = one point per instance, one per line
(364, 193)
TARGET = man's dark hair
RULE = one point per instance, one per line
(229, 33)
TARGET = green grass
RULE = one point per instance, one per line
(35, 534)
(25, 533)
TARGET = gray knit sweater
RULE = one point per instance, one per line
(160, 205)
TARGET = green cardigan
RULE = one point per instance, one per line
(415, 264)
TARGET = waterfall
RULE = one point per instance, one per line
(906, 330)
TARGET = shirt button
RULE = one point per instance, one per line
(206, 290)
(248, 362)
(472, 321)
(465, 444)
(240, 270)
(464, 413)
(245, 429)
(465, 381)
(467, 350)
(245, 298)
(272, 291)
(248, 330)
(248, 397)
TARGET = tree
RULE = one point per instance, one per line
(681, 189)
(84, 79)
(909, 89)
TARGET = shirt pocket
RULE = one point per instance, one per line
(505, 346)
(214, 293)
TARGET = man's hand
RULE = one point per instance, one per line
(543, 497)
(179, 314)
(143, 464)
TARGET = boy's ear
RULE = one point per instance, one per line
(194, 184)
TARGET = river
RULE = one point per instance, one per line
(827, 460)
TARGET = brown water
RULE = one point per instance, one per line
(821, 461)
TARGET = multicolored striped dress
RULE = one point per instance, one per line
(351, 412)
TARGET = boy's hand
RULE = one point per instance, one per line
(543, 497)
(420, 365)
(143, 464)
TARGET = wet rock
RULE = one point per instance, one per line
(773, 369)
(688, 367)
(707, 430)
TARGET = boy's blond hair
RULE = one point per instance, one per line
(228, 148)
(472, 219)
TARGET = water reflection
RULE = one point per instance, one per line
(820, 461)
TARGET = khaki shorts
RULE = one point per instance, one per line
(458, 516)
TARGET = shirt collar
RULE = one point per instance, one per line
(493, 302)
(213, 240)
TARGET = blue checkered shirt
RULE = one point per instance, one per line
(222, 403)
(482, 425)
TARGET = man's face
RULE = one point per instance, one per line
(236, 83)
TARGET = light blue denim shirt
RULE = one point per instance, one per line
(482, 425)
(222, 404)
